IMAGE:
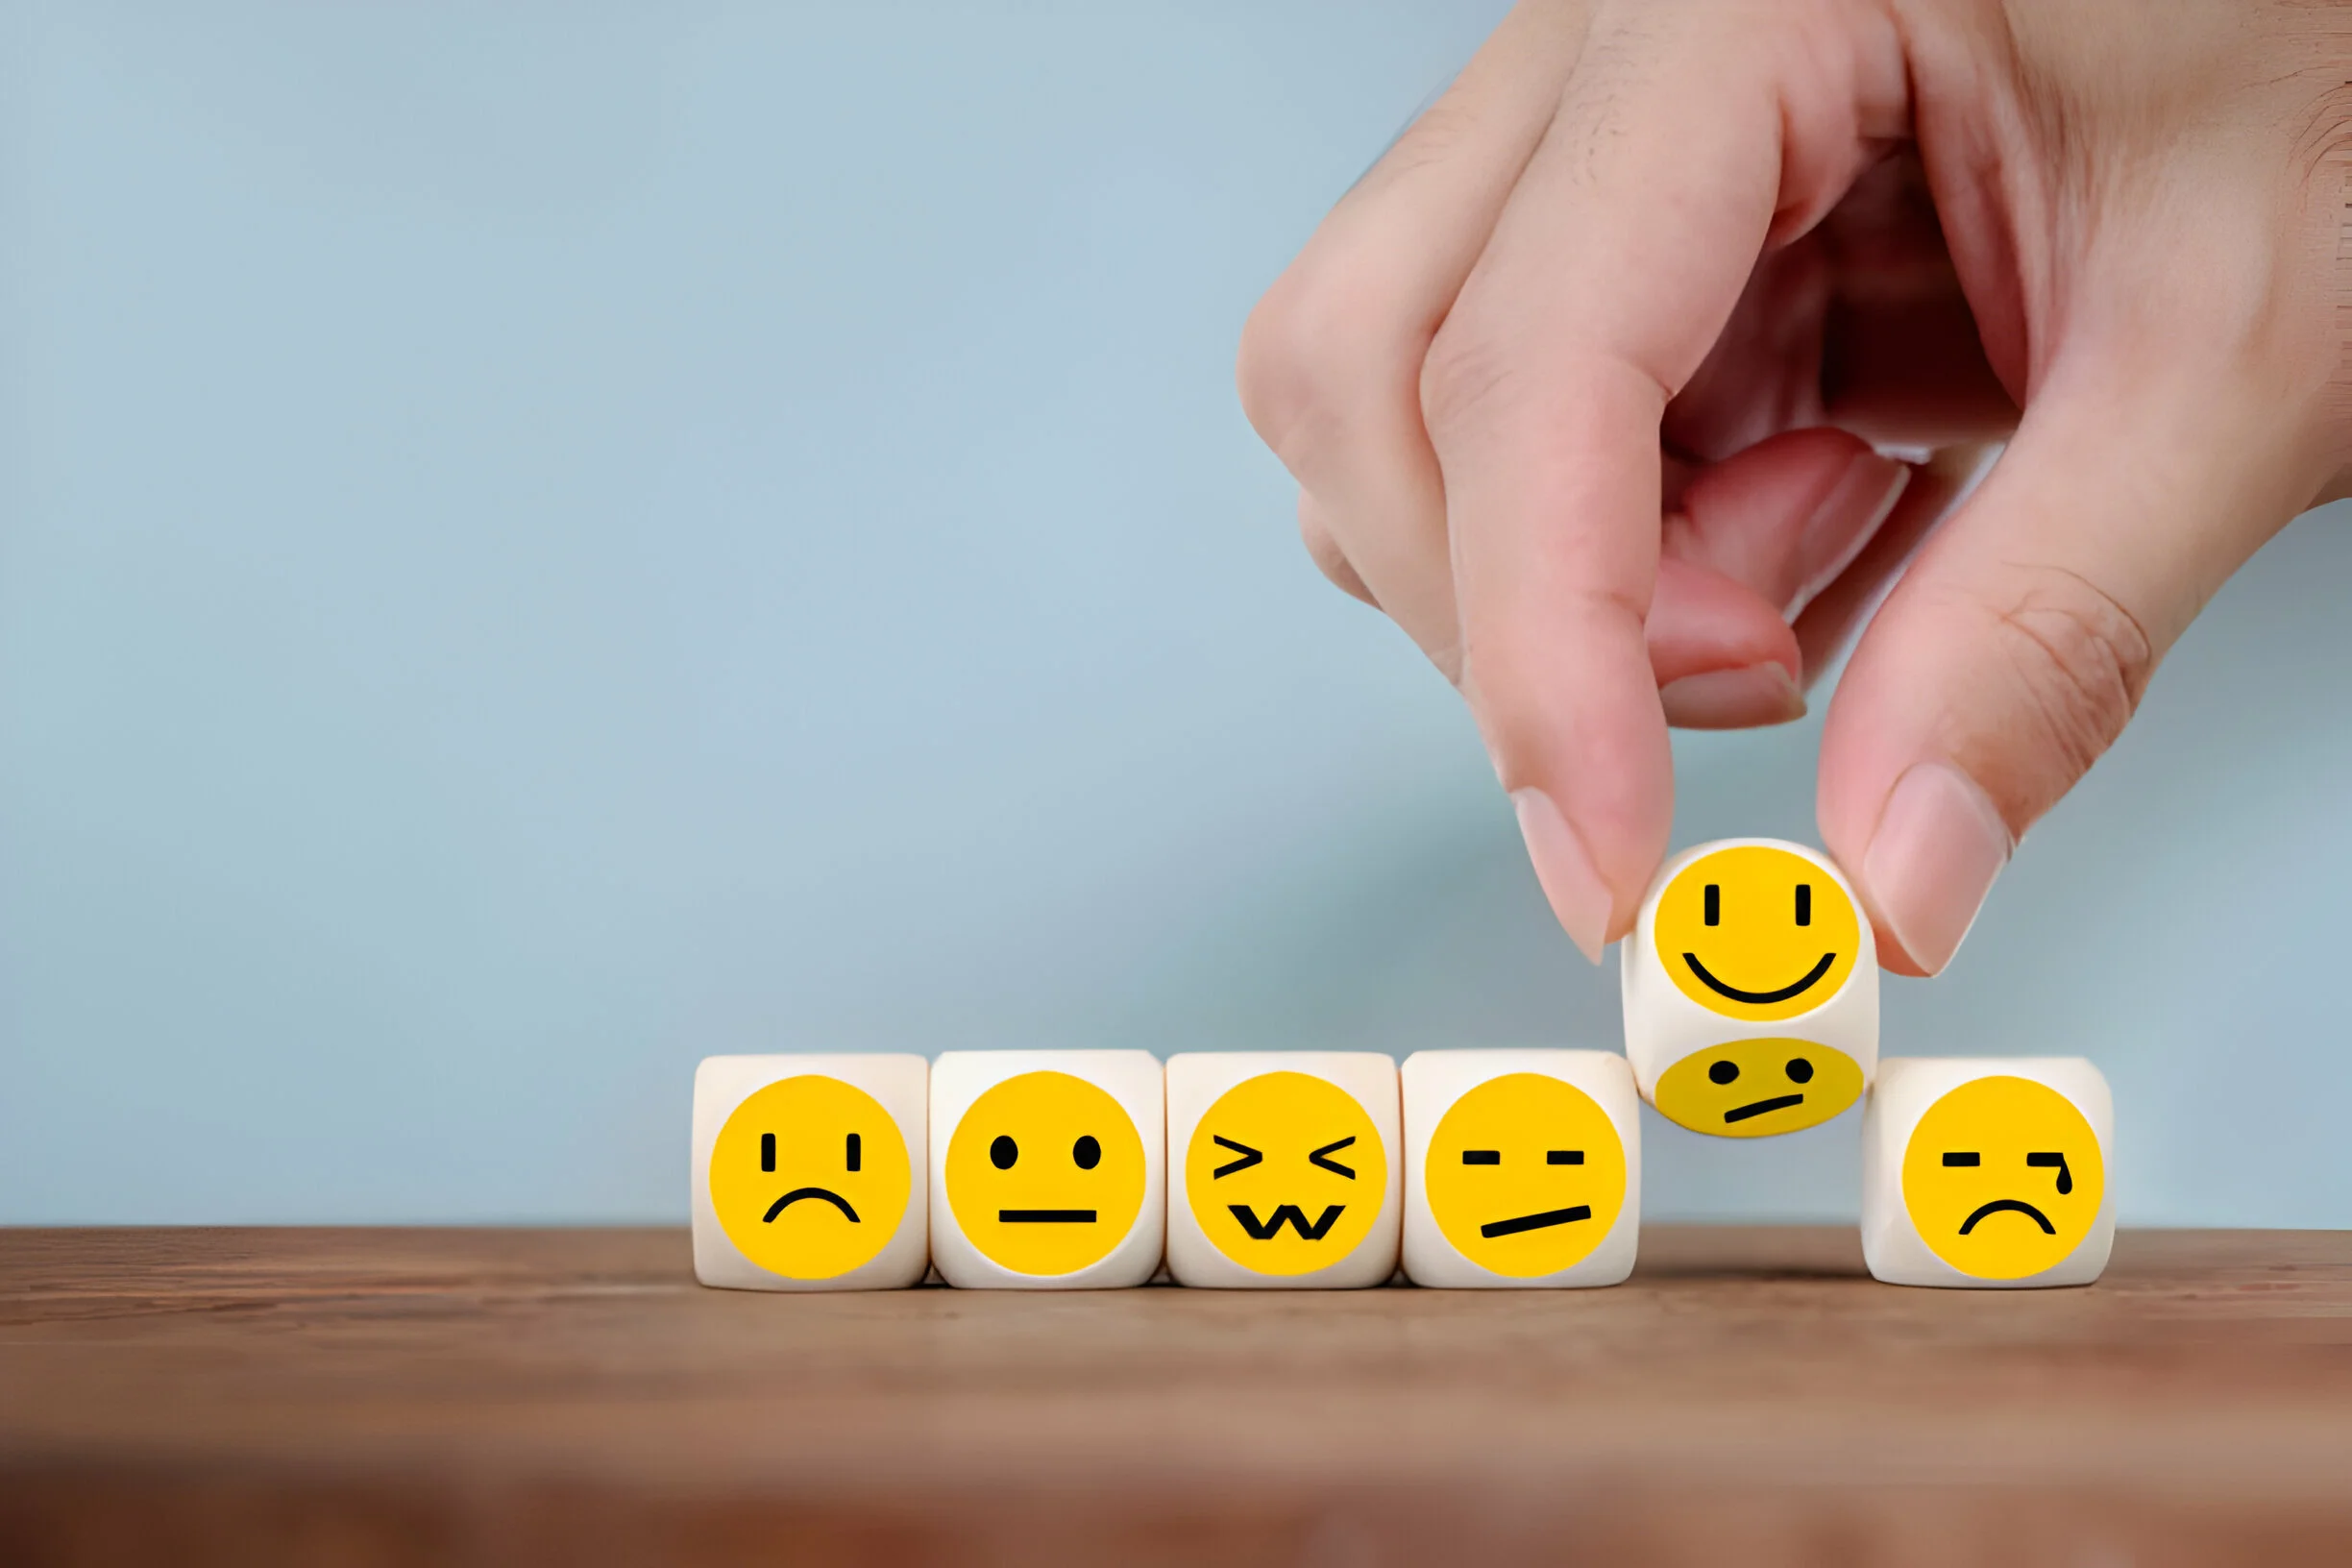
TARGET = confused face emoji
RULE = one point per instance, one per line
(1525, 1174)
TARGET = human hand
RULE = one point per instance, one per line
(1577, 383)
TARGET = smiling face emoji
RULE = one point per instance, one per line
(1285, 1173)
(1524, 1175)
(2003, 1177)
(809, 1177)
(1046, 1173)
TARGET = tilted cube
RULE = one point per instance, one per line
(1049, 1169)
(810, 1172)
(1750, 984)
(1522, 1167)
(1988, 1172)
(1287, 1169)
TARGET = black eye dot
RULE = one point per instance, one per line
(1799, 1071)
(1804, 903)
(1003, 1152)
(854, 1152)
(1723, 1072)
(1714, 905)
(1087, 1152)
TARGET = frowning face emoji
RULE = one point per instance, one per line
(2003, 1178)
(809, 1177)
(1285, 1173)
(1046, 1173)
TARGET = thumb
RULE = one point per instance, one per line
(2016, 647)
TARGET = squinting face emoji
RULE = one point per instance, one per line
(1758, 935)
(1524, 1175)
(2003, 1178)
(809, 1177)
(1285, 1173)
(1046, 1173)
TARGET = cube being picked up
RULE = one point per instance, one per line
(1986, 1173)
(1750, 984)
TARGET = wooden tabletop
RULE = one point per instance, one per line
(463, 1396)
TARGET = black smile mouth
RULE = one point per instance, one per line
(799, 1192)
(1778, 1102)
(2013, 1206)
(1537, 1223)
(1759, 998)
(1044, 1216)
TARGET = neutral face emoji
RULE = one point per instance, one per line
(1046, 1173)
(809, 1177)
(1756, 1088)
(2003, 1178)
(1285, 1173)
(1756, 934)
(1524, 1175)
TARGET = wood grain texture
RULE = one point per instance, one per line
(407, 1397)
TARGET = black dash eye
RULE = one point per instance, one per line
(2066, 1177)
(1799, 1071)
(1003, 1152)
(1721, 1072)
(1804, 903)
(1564, 1157)
(1714, 905)
(1482, 1156)
(1962, 1157)
(1087, 1152)
(855, 1150)
(768, 1152)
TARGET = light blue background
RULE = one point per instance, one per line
(540, 542)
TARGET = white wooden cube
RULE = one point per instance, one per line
(1287, 1169)
(810, 1172)
(1521, 1168)
(1049, 1169)
(1988, 1172)
(1751, 984)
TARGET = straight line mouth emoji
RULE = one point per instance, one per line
(1535, 1222)
(2011, 1206)
(799, 1192)
(1044, 1216)
(1778, 1102)
(1760, 998)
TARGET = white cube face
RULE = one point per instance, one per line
(1287, 1170)
(1523, 1168)
(1048, 1169)
(810, 1172)
(1988, 1172)
(1750, 984)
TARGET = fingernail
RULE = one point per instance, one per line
(1939, 845)
(1579, 897)
(1741, 698)
(1844, 521)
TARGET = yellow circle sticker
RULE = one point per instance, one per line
(1757, 933)
(2003, 1178)
(1525, 1174)
(809, 1177)
(1285, 1173)
(1046, 1173)
(1758, 1088)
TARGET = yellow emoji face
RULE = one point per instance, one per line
(1285, 1173)
(1524, 1175)
(809, 1177)
(1758, 1088)
(2003, 1178)
(1046, 1173)
(1757, 933)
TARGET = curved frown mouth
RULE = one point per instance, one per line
(822, 1195)
(1759, 998)
(2013, 1206)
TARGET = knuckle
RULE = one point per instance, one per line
(1467, 371)
(2080, 661)
(1330, 338)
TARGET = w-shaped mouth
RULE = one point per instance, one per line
(1759, 998)
(2013, 1206)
